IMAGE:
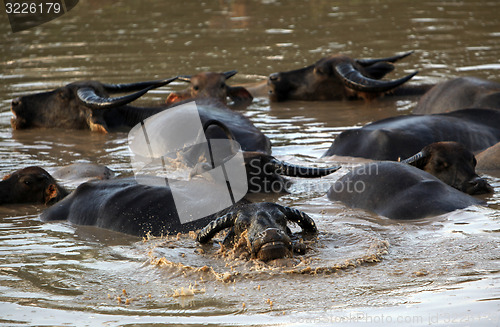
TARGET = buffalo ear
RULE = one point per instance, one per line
(97, 124)
(175, 97)
(51, 194)
(379, 69)
(239, 94)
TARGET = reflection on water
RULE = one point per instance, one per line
(360, 268)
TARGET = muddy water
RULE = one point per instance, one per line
(360, 269)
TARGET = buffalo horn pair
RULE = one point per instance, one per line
(88, 95)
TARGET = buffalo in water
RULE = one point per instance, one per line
(432, 182)
(264, 225)
(211, 85)
(339, 77)
(398, 191)
(87, 105)
(31, 185)
(402, 136)
(460, 93)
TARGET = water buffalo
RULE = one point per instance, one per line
(489, 159)
(123, 205)
(211, 85)
(338, 77)
(86, 105)
(80, 105)
(398, 191)
(402, 136)
(264, 172)
(30, 185)
(264, 226)
(81, 171)
(460, 93)
(453, 164)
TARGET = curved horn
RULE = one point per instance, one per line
(413, 159)
(229, 74)
(216, 226)
(369, 62)
(301, 218)
(353, 79)
(131, 87)
(184, 78)
(88, 96)
(226, 130)
(291, 170)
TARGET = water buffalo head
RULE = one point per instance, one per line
(265, 227)
(30, 185)
(211, 85)
(264, 172)
(452, 163)
(336, 77)
(78, 105)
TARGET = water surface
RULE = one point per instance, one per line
(361, 269)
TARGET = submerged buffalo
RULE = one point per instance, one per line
(30, 185)
(453, 164)
(460, 93)
(211, 85)
(265, 173)
(123, 205)
(339, 77)
(264, 225)
(81, 105)
(86, 105)
(402, 136)
(398, 191)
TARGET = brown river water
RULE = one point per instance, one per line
(361, 270)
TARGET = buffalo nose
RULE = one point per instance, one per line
(274, 77)
(478, 185)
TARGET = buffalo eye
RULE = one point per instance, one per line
(222, 85)
(26, 181)
(319, 71)
(63, 95)
(196, 87)
(442, 164)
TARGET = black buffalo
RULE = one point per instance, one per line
(402, 136)
(211, 85)
(398, 191)
(30, 185)
(80, 105)
(86, 105)
(460, 93)
(265, 173)
(338, 77)
(123, 205)
(265, 227)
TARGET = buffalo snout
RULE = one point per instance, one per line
(272, 243)
(477, 185)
